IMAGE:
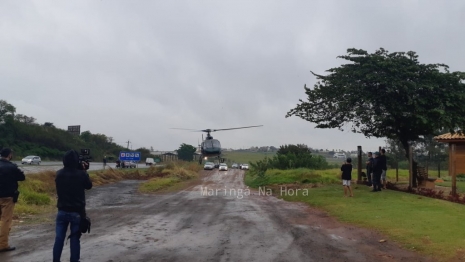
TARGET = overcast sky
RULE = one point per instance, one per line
(134, 69)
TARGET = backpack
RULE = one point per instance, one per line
(84, 226)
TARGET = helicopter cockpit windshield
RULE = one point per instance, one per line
(213, 143)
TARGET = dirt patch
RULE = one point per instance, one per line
(190, 226)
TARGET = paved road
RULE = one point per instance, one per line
(54, 166)
(189, 226)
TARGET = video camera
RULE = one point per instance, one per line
(84, 158)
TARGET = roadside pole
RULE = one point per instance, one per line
(410, 171)
(359, 165)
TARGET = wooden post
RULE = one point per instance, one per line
(397, 169)
(410, 173)
(439, 169)
(454, 175)
(359, 164)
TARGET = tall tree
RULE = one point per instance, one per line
(6, 110)
(186, 152)
(389, 95)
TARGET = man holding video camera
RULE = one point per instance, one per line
(71, 183)
(10, 174)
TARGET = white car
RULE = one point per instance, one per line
(339, 155)
(31, 160)
(129, 164)
(223, 167)
(245, 166)
(149, 161)
(209, 166)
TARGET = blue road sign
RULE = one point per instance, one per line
(129, 156)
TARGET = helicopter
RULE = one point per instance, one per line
(212, 147)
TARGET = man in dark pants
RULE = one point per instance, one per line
(377, 170)
(370, 169)
(10, 174)
(71, 183)
(104, 161)
(384, 167)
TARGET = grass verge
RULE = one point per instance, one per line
(430, 226)
(38, 194)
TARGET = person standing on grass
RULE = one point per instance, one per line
(383, 167)
(346, 175)
(369, 164)
(10, 174)
(71, 182)
(377, 170)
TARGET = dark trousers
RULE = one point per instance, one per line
(369, 179)
(63, 220)
(376, 181)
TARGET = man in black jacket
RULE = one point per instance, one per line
(384, 167)
(370, 169)
(71, 183)
(10, 174)
(377, 170)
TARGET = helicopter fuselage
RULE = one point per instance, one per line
(211, 147)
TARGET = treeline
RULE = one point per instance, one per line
(291, 157)
(27, 137)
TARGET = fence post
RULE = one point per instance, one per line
(410, 173)
(454, 171)
(359, 164)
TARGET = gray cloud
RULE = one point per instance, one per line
(132, 70)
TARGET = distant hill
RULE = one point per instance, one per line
(27, 137)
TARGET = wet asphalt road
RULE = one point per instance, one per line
(54, 166)
(189, 226)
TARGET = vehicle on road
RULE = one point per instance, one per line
(339, 155)
(31, 160)
(209, 166)
(223, 167)
(234, 165)
(129, 164)
(149, 161)
(245, 166)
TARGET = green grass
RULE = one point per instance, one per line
(430, 226)
(246, 157)
(301, 176)
(156, 184)
(460, 185)
(38, 193)
(169, 177)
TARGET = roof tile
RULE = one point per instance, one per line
(450, 136)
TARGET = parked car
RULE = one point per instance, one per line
(31, 160)
(339, 155)
(129, 164)
(234, 165)
(223, 166)
(149, 161)
(245, 166)
(209, 166)
(217, 165)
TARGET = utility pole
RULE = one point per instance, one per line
(128, 144)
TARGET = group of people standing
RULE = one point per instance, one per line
(71, 182)
(376, 166)
(376, 170)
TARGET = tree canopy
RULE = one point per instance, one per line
(186, 152)
(385, 94)
(26, 137)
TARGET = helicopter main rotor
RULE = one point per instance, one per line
(208, 131)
